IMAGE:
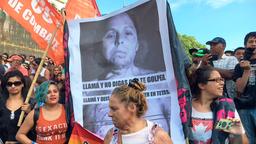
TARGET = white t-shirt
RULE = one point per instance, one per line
(142, 136)
(203, 126)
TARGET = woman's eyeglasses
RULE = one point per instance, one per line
(218, 80)
(16, 83)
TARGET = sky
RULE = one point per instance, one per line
(205, 19)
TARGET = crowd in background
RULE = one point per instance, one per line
(222, 83)
(233, 74)
(28, 66)
(17, 72)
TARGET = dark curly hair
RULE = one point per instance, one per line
(200, 76)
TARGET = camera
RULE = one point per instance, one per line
(248, 53)
(214, 58)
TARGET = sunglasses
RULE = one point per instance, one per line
(16, 83)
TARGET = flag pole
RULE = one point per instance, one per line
(37, 73)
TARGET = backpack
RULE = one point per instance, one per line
(32, 133)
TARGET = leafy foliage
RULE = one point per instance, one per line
(189, 42)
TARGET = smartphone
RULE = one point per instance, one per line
(224, 124)
(214, 58)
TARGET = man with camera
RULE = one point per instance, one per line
(224, 64)
(244, 75)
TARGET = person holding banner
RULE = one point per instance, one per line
(214, 117)
(127, 106)
(11, 104)
(51, 125)
(120, 45)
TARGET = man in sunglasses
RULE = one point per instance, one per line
(16, 64)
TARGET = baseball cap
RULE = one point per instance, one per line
(201, 52)
(217, 40)
(192, 50)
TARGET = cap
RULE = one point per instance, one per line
(217, 40)
(192, 50)
(201, 52)
(15, 57)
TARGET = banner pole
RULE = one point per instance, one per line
(37, 73)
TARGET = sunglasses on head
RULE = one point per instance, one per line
(16, 83)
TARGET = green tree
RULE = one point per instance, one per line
(189, 42)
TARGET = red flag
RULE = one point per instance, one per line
(75, 9)
(40, 19)
(83, 136)
(81, 9)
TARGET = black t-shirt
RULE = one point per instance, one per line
(8, 123)
(249, 89)
(2, 70)
(238, 72)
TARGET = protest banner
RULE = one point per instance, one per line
(81, 9)
(40, 19)
(109, 51)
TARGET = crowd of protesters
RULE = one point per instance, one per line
(218, 76)
(17, 72)
(222, 83)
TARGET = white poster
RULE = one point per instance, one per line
(108, 51)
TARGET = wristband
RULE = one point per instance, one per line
(34, 142)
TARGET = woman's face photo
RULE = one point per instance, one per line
(120, 42)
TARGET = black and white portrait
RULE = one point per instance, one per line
(125, 45)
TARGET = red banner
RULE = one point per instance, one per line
(81, 9)
(82, 136)
(40, 19)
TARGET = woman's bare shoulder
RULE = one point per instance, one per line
(162, 137)
(108, 137)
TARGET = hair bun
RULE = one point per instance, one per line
(134, 83)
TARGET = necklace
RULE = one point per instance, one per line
(12, 116)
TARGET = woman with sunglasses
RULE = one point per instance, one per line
(213, 117)
(127, 106)
(12, 103)
(51, 124)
